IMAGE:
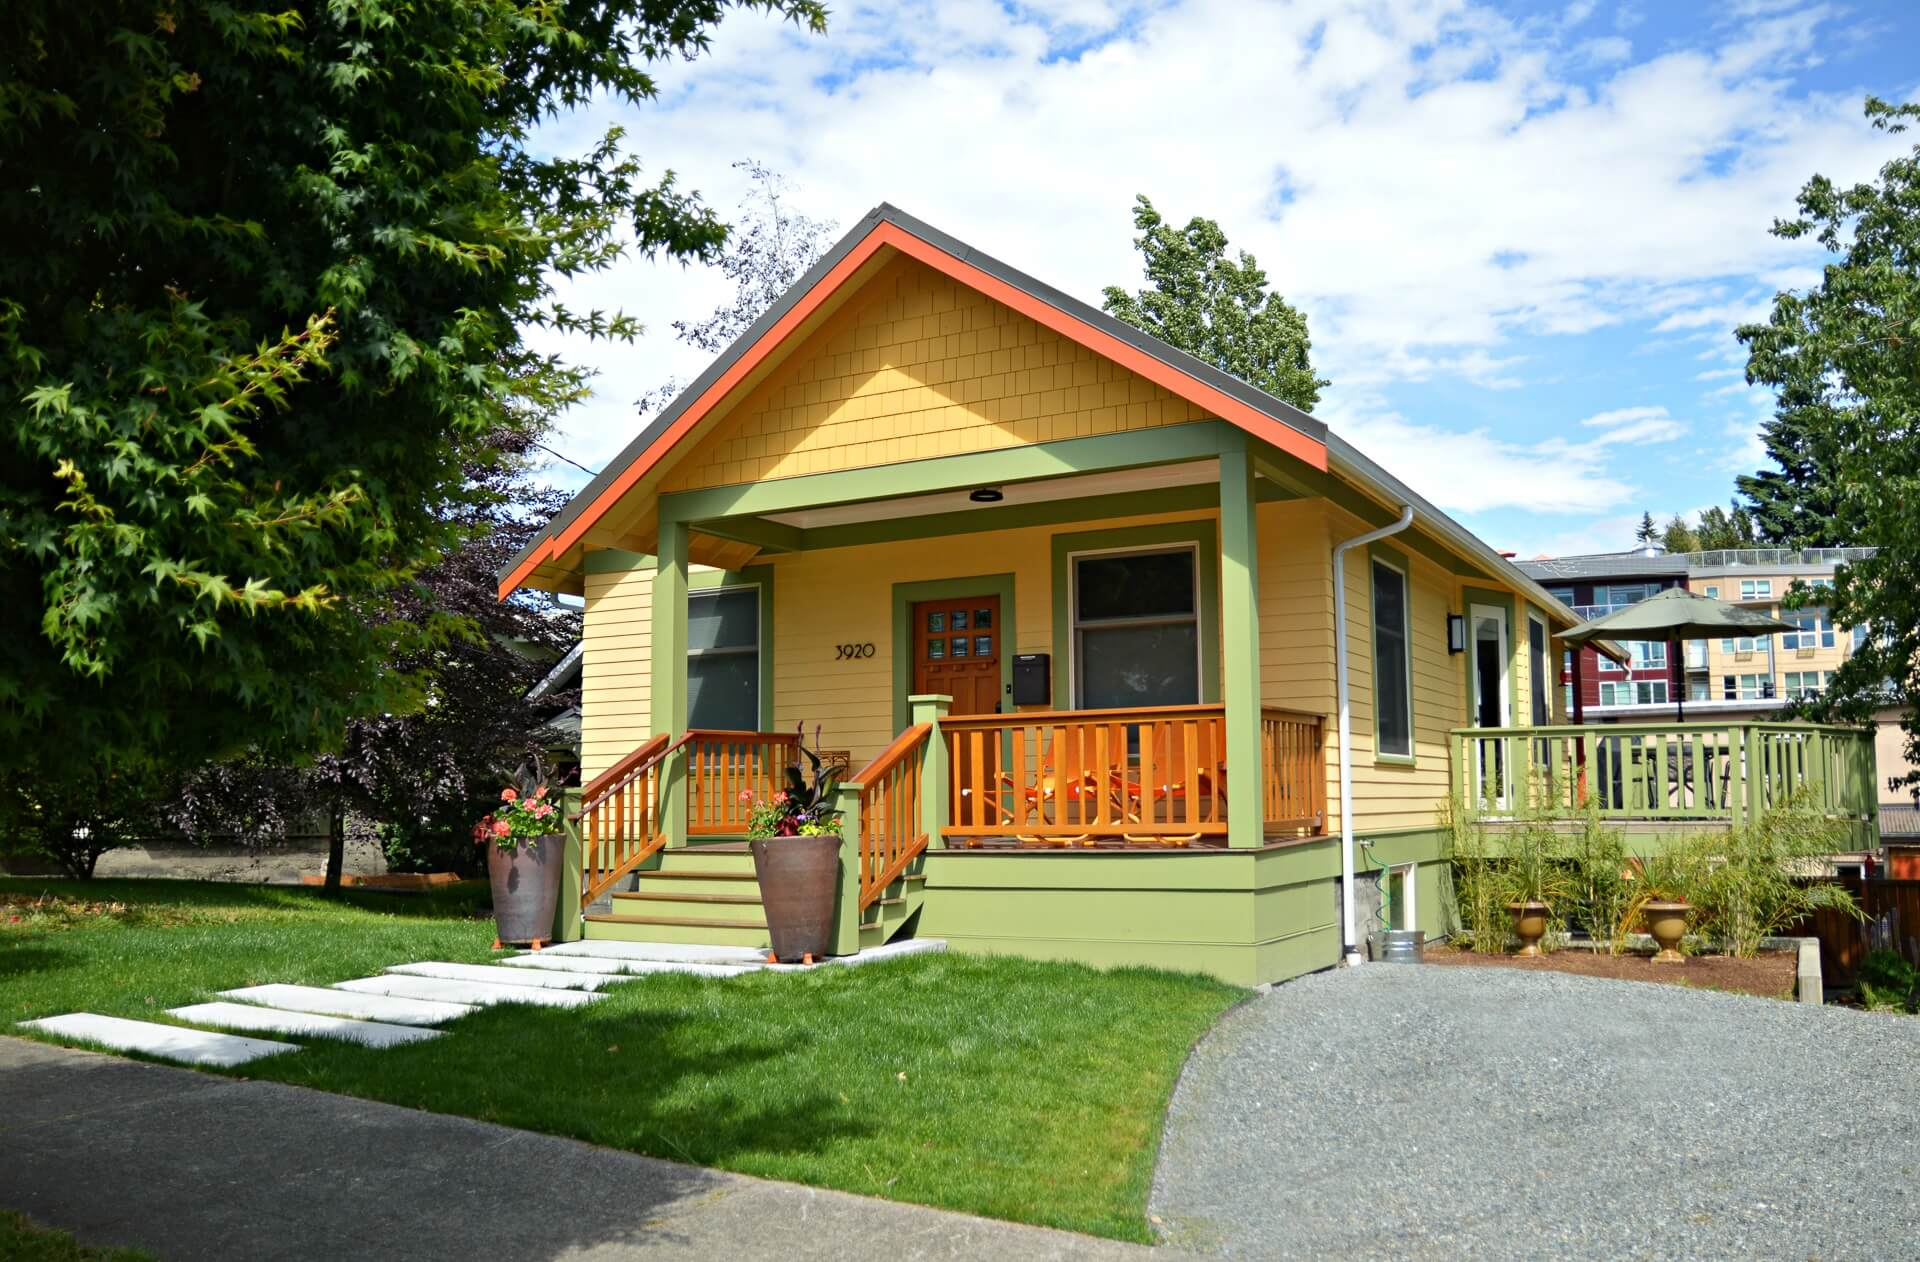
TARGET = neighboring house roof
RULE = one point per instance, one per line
(1636, 564)
(1900, 821)
(1273, 420)
(565, 673)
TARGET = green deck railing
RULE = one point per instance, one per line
(1707, 773)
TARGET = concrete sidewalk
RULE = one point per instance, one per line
(191, 1165)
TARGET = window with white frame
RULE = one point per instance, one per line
(1699, 690)
(1713, 591)
(1649, 655)
(1401, 893)
(1634, 692)
(1803, 685)
(1537, 681)
(1756, 588)
(1747, 687)
(1743, 644)
(723, 659)
(1812, 630)
(1136, 628)
(1392, 664)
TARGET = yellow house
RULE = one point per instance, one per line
(1129, 661)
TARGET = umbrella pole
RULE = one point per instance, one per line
(1679, 679)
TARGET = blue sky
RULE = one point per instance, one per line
(1522, 233)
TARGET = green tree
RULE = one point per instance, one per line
(264, 273)
(1679, 537)
(1719, 530)
(1216, 308)
(1648, 533)
(1844, 360)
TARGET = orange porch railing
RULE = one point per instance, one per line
(892, 829)
(619, 819)
(728, 771)
(1294, 772)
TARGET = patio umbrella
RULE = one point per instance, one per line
(1673, 616)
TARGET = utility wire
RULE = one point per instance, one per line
(593, 473)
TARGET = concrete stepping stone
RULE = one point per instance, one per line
(245, 1016)
(169, 1042)
(329, 1001)
(622, 970)
(665, 952)
(892, 951)
(494, 975)
(442, 990)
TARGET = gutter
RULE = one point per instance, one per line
(1347, 928)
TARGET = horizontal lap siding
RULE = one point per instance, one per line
(1391, 795)
(616, 668)
(917, 366)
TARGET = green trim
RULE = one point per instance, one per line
(614, 561)
(1203, 533)
(1172, 499)
(905, 595)
(1472, 594)
(1395, 559)
(1195, 440)
(1240, 639)
(760, 576)
(669, 665)
(768, 536)
(1313, 484)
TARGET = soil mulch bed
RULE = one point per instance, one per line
(1771, 974)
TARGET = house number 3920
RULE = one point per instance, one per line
(847, 652)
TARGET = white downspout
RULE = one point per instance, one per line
(1348, 931)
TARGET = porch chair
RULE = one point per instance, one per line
(1170, 776)
(1042, 798)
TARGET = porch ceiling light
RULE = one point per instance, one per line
(1456, 633)
(986, 495)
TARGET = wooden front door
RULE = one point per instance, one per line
(956, 650)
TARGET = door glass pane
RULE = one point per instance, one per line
(723, 691)
(1136, 585)
(959, 620)
(723, 620)
(959, 646)
(982, 619)
(936, 650)
(1139, 666)
(937, 621)
(983, 646)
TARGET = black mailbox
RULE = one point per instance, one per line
(1032, 679)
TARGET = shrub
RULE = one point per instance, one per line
(1888, 983)
(1600, 870)
(1763, 877)
(1526, 860)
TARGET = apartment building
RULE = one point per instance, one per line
(1722, 677)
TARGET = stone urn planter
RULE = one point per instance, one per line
(1667, 923)
(526, 887)
(1529, 925)
(799, 879)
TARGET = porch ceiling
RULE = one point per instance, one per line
(1047, 490)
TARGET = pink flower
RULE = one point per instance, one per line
(780, 798)
(508, 795)
(543, 810)
(746, 795)
(540, 792)
(501, 828)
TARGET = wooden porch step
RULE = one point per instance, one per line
(683, 922)
(751, 900)
(664, 875)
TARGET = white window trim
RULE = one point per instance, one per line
(1409, 874)
(1073, 612)
(1406, 641)
(1505, 693)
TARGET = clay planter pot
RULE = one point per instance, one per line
(799, 878)
(1667, 923)
(526, 883)
(1529, 925)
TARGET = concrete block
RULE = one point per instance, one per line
(169, 1042)
(246, 1016)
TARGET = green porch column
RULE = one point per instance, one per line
(1240, 646)
(567, 925)
(670, 670)
(931, 707)
(846, 912)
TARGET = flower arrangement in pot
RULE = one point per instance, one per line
(525, 853)
(794, 835)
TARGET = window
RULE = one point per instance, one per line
(1699, 690)
(1634, 692)
(1713, 591)
(1756, 588)
(1859, 638)
(1747, 687)
(1649, 655)
(1567, 696)
(1136, 630)
(1804, 685)
(1537, 670)
(1814, 630)
(1744, 644)
(1399, 890)
(1392, 686)
(723, 659)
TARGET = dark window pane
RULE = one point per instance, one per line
(723, 691)
(959, 620)
(1154, 584)
(723, 620)
(959, 646)
(936, 622)
(982, 619)
(936, 650)
(1537, 671)
(1392, 718)
(1139, 666)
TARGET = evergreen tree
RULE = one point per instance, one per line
(1679, 537)
(1648, 533)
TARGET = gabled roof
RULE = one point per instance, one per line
(887, 227)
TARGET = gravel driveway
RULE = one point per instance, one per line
(1404, 1112)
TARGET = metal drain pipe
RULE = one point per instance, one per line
(1348, 931)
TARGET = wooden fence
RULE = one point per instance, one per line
(1893, 921)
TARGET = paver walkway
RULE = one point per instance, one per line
(192, 1165)
(398, 1005)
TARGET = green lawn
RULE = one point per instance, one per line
(1009, 1088)
(22, 1240)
